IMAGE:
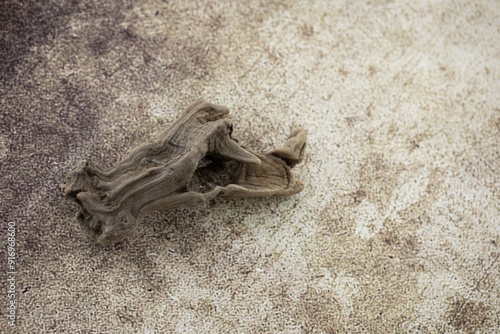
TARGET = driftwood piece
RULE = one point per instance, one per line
(191, 162)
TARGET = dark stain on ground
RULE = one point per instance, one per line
(318, 311)
(358, 196)
(390, 238)
(468, 315)
(99, 46)
(107, 34)
(47, 117)
(26, 24)
(379, 179)
(42, 132)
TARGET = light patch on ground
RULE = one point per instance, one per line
(368, 220)
(408, 193)
(346, 288)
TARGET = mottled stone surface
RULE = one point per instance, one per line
(397, 227)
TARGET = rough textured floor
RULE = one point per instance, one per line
(397, 229)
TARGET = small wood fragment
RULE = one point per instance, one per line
(193, 161)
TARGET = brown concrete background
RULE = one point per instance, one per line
(396, 231)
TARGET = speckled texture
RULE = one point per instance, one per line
(396, 230)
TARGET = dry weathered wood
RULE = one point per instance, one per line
(193, 161)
